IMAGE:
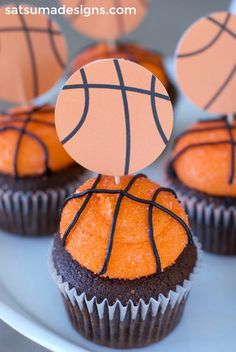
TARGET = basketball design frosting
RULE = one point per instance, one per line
(206, 63)
(204, 157)
(99, 225)
(114, 117)
(33, 55)
(107, 26)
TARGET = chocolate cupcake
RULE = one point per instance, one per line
(124, 260)
(131, 51)
(202, 171)
(36, 174)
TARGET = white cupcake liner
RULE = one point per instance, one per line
(125, 326)
(214, 225)
(33, 213)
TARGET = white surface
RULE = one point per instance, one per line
(233, 6)
(31, 303)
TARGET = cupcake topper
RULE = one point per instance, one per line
(114, 117)
(33, 50)
(106, 25)
(206, 63)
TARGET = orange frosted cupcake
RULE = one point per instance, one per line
(36, 174)
(202, 170)
(123, 260)
(130, 51)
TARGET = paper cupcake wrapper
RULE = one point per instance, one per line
(215, 226)
(33, 213)
(126, 326)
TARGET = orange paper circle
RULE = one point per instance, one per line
(33, 55)
(119, 117)
(206, 63)
(106, 26)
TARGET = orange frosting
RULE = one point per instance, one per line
(206, 168)
(132, 255)
(30, 159)
(133, 52)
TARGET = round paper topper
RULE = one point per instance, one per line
(206, 63)
(106, 26)
(114, 117)
(32, 56)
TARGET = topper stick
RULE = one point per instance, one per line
(230, 119)
(117, 180)
(22, 93)
(111, 43)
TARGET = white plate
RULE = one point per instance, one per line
(31, 303)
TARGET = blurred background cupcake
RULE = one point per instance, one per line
(202, 170)
(202, 165)
(36, 174)
(150, 59)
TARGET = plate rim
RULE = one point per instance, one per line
(9, 316)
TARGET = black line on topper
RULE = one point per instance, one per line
(115, 87)
(226, 29)
(60, 61)
(32, 55)
(211, 43)
(221, 88)
(127, 117)
(30, 29)
(85, 112)
(154, 111)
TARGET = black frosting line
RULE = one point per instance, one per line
(15, 120)
(114, 222)
(80, 211)
(26, 118)
(232, 144)
(150, 225)
(206, 129)
(18, 144)
(39, 109)
(226, 126)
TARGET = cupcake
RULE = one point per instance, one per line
(124, 260)
(134, 52)
(36, 174)
(202, 171)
